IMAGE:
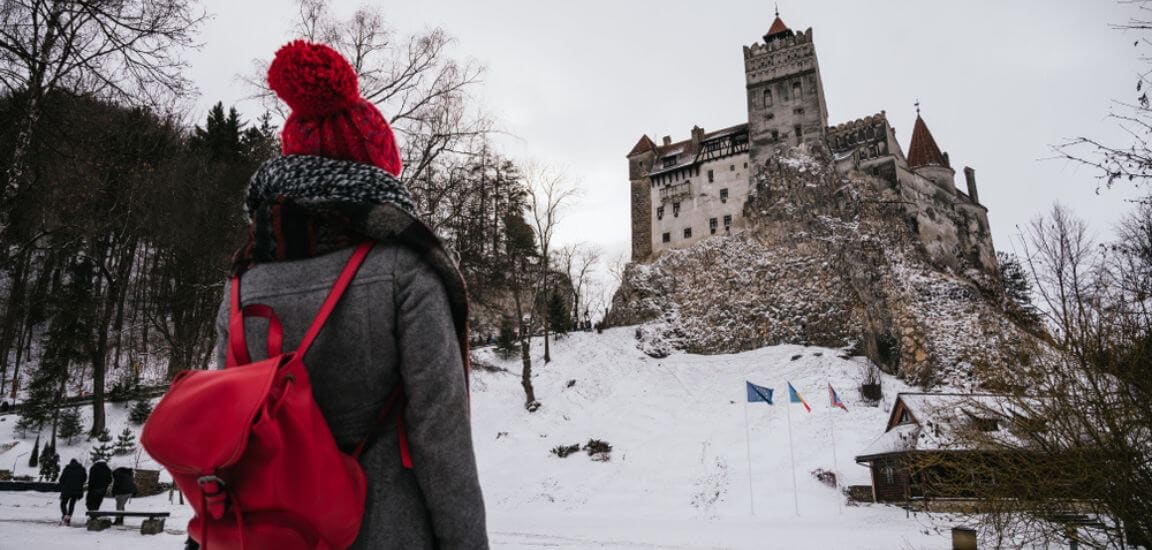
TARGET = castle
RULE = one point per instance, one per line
(686, 191)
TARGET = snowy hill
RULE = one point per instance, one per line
(678, 473)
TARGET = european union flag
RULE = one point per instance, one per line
(757, 394)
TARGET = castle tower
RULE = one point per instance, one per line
(785, 94)
(640, 161)
(925, 158)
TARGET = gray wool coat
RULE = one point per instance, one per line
(393, 326)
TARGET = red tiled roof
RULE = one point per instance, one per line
(923, 150)
(778, 27)
(645, 144)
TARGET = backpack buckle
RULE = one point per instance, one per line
(215, 495)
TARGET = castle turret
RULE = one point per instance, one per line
(785, 94)
(640, 161)
(925, 158)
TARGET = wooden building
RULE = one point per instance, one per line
(909, 461)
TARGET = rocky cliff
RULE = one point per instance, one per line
(829, 260)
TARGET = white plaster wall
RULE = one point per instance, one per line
(704, 203)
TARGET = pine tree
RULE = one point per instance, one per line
(220, 136)
(33, 460)
(125, 442)
(66, 342)
(506, 345)
(49, 464)
(70, 426)
(23, 426)
(1018, 292)
(103, 450)
(141, 409)
(559, 314)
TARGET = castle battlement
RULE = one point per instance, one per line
(761, 48)
(850, 126)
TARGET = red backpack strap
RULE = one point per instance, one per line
(395, 402)
(237, 343)
(237, 346)
(237, 353)
(334, 295)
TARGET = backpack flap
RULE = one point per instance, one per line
(203, 423)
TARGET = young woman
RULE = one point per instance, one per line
(401, 323)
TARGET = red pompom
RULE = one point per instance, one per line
(313, 79)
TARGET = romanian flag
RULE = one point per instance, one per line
(835, 399)
(795, 397)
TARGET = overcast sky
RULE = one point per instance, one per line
(577, 83)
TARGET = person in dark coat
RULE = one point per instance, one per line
(123, 488)
(99, 478)
(402, 322)
(71, 488)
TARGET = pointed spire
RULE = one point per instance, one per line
(778, 29)
(923, 150)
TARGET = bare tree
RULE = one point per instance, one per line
(578, 261)
(416, 84)
(550, 192)
(1066, 265)
(1123, 162)
(1067, 452)
(126, 50)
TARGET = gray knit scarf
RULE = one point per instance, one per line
(306, 179)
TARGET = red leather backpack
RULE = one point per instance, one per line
(236, 439)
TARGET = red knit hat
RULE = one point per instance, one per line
(329, 118)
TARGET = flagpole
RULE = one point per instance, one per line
(835, 465)
(792, 453)
(748, 441)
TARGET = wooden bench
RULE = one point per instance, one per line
(152, 525)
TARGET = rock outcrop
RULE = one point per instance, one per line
(829, 260)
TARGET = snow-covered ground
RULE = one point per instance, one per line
(678, 476)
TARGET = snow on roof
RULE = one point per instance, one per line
(947, 421)
(899, 439)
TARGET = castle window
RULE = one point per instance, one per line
(728, 222)
(767, 98)
(784, 93)
(769, 116)
(799, 132)
(731, 167)
(797, 89)
(687, 232)
(659, 212)
(667, 237)
(745, 165)
(670, 161)
(711, 177)
(775, 135)
(723, 195)
(798, 111)
(712, 225)
(676, 210)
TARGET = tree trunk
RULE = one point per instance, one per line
(530, 402)
(526, 375)
(13, 314)
(547, 349)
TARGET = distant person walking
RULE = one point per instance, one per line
(71, 488)
(99, 478)
(123, 488)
